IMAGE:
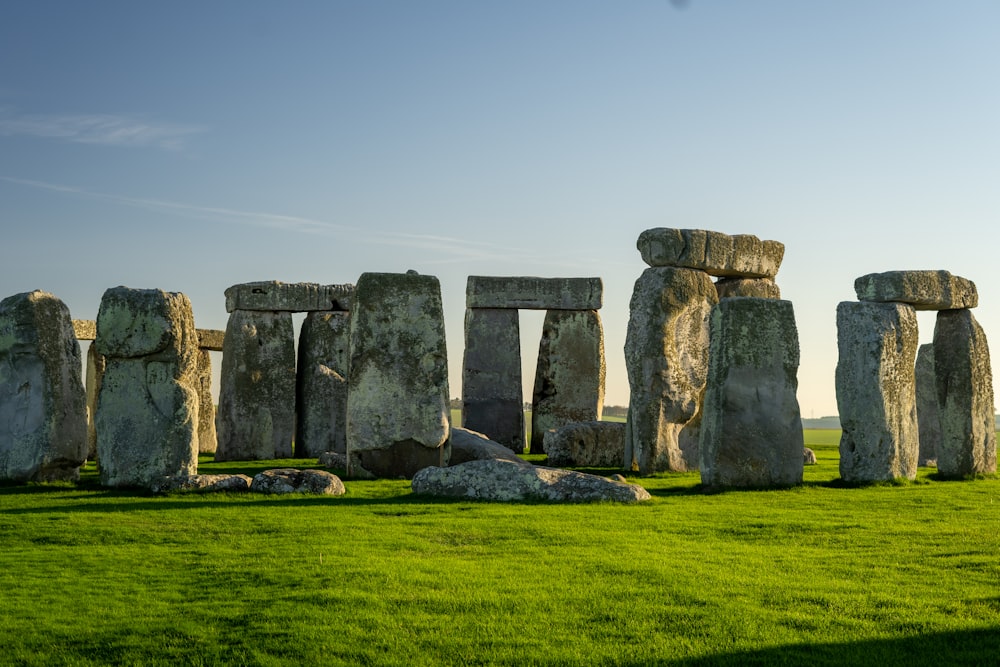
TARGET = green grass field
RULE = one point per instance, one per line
(891, 574)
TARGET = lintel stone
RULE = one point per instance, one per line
(85, 329)
(276, 296)
(715, 253)
(210, 339)
(532, 293)
(924, 290)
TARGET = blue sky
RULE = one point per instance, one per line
(191, 146)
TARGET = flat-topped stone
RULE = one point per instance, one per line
(276, 296)
(85, 329)
(210, 339)
(924, 290)
(715, 253)
(534, 293)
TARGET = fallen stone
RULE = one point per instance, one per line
(876, 392)
(586, 444)
(718, 254)
(204, 483)
(43, 411)
(467, 445)
(276, 296)
(324, 356)
(211, 339)
(531, 293)
(507, 481)
(928, 417)
(763, 288)
(291, 480)
(808, 457)
(924, 290)
(492, 401)
(85, 329)
(207, 440)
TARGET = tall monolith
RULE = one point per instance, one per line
(928, 415)
(492, 399)
(324, 357)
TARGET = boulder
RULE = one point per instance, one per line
(808, 457)
(876, 393)
(324, 356)
(291, 480)
(338, 460)
(569, 377)
(509, 481)
(207, 440)
(275, 296)
(205, 483)
(751, 428)
(398, 406)
(718, 254)
(43, 410)
(964, 381)
(764, 288)
(147, 410)
(492, 401)
(928, 417)
(924, 290)
(467, 445)
(666, 356)
(534, 293)
(586, 444)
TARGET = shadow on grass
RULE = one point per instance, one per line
(965, 647)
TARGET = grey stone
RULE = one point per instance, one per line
(928, 417)
(751, 428)
(85, 329)
(276, 296)
(666, 356)
(211, 339)
(96, 364)
(207, 440)
(764, 288)
(467, 445)
(531, 293)
(338, 460)
(492, 402)
(398, 406)
(256, 418)
(324, 356)
(43, 413)
(569, 377)
(876, 393)
(291, 480)
(808, 457)
(964, 381)
(147, 410)
(507, 481)
(204, 483)
(593, 444)
(742, 255)
(924, 290)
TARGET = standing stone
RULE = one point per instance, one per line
(95, 374)
(666, 355)
(751, 429)
(324, 356)
(147, 411)
(928, 417)
(43, 413)
(876, 392)
(569, 377)
(398, 408)
(256, 418)
(207, 441)
(964, 381)
(492, 402)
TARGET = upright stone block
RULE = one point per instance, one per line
(96, 364)
(324, 357)
(741, 256)
(924, 290)
(751, 429)
(569, 378)
(666, 356)
(256, 418)
(964, 381)
(531, 293)
(398, 408)
(492, 401)
(147, 411)
(207, 440)
(43, 417)
(876, 392)
(928, 415)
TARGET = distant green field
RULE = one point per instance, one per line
(888, 574)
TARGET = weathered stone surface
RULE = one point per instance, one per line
(718, 254)
(291, 480)
(256, 418)
(469, 445)
(211, 339)
(924, 290)
(324, 356)
(276, 296)
(95, 375)
(43, 413)
(964, 381)
(666, 356)
(510, 481)
(398, 407)
(147, 410)
(594, 443)
(492, 401)
(763, 288)
(338, 460)
(205, 483)
(531, 293)
(85, 329)
(876, 391)
(928, 417)
(569, 377)
(808, 457)
(751, 428)
(207, 441)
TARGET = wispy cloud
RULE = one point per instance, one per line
(100, 129)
